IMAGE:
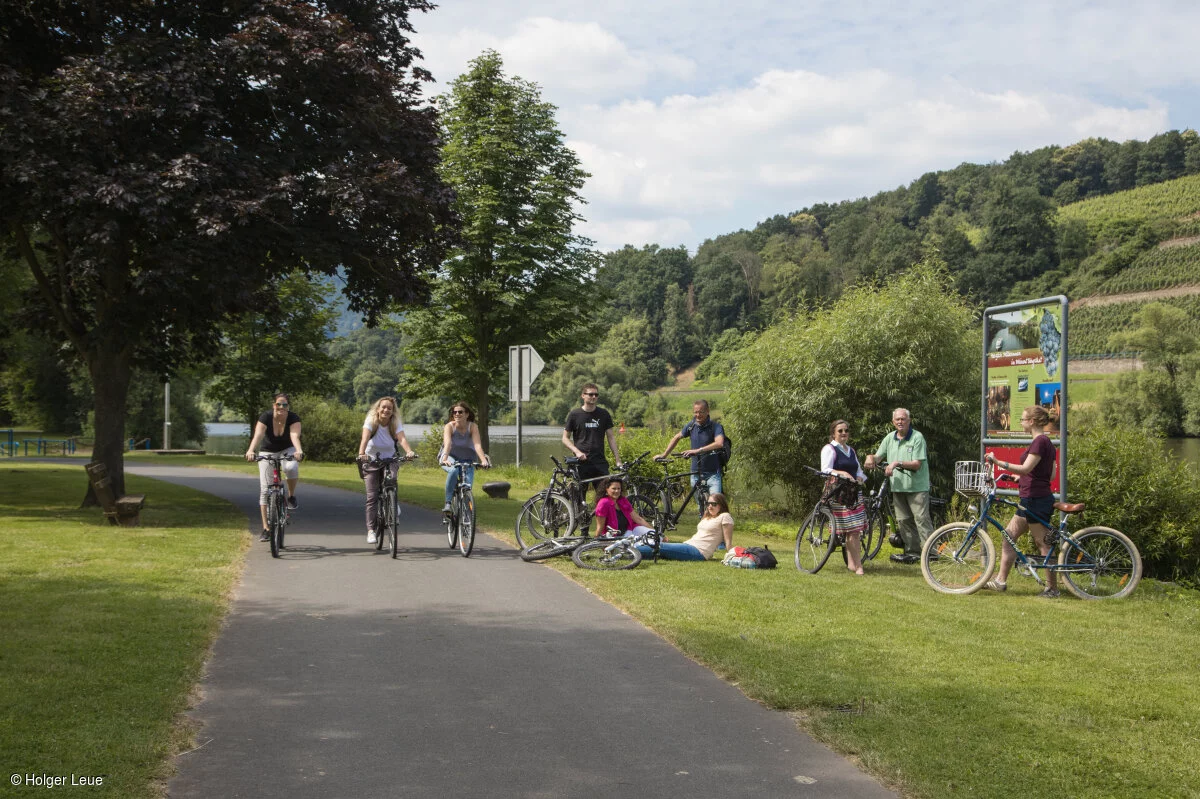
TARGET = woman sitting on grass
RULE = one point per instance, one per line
(615, 516)
(715, 528)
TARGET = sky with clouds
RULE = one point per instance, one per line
(700, 118)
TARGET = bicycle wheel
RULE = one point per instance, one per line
(544, 515)
(875, 535)
(606, 556)
(466, 524)
(275, 522)
(450, 521)
(393, 522)
(958, 559)
(645, 506)
(815, 541)
(1099, 563)
(552, 547)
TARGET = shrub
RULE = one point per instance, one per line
(1130, 483)
(331, 431)
(912, 342)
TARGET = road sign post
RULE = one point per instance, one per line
(524, 365)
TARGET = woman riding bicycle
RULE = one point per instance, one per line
(460, 444)
(279, 432)
(1035, 472)
(714, 528)
(845, 500)
(615, 515)
(381, 432)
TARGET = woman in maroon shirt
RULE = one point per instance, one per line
(1035, 471)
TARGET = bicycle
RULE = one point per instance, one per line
(278, 514)
(668, 488)
(460, 521)
(880, 515)
(1095, 563)
(389, 503)
(560, 509)
(817, 537)
(607, 554)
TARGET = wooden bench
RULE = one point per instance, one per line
(118, 510)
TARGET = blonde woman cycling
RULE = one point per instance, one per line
(381, 434)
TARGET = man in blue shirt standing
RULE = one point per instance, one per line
(708, 440)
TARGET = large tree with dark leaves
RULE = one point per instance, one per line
(162, 164)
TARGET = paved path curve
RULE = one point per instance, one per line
(343, 673)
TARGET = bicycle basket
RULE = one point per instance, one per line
(970, 478)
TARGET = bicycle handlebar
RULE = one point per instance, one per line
(275, 456)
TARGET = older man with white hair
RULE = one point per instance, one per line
(908, 470)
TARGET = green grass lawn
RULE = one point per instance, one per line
(105, 629)
(992, 695)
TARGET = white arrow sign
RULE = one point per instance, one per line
(524, 365)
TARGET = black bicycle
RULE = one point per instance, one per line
(881, 517)
(278, 515)
(389, 501)
(560, 510)
(668, 489)
(460, 520)
(818, 536)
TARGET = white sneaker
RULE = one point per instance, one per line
(371, 537)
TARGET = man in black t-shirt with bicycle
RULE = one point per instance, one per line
(585, 433)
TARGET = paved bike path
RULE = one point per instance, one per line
(341, 672)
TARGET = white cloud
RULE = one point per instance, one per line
(567, 59)
(779, 143)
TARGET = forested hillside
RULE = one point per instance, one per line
(1094, 217)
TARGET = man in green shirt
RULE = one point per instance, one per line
(908, 470)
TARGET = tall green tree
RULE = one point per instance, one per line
(520, 275)
(162, 163)
(280, 349)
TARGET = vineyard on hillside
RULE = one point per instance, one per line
(1092, 325)
(1114, 217)
(1156, 269)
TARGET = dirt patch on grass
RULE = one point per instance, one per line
(1180, 242)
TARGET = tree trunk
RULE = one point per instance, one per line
(111, 371)
(482, 413)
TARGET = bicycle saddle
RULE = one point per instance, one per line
(1070, 507)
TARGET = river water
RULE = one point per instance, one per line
(538, 442)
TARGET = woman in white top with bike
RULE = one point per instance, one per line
(381, 433)
(461, 444)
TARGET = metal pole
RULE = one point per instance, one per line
(520, 375)
(167, 415)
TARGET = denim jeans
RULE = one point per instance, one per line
(713, 479)
(452, 479)
(674, 551)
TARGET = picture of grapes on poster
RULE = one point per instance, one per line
(1024, 367)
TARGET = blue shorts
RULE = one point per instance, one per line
(1041, 506)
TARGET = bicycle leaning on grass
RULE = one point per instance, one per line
(459, 521)
(278, 515)
(389, 500)
(1095, 562)
(614, 554)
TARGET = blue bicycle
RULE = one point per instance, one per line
(1094, 563)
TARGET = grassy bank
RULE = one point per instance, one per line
(993, 695)
(105, 628)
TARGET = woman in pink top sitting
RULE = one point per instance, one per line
(615, 516)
